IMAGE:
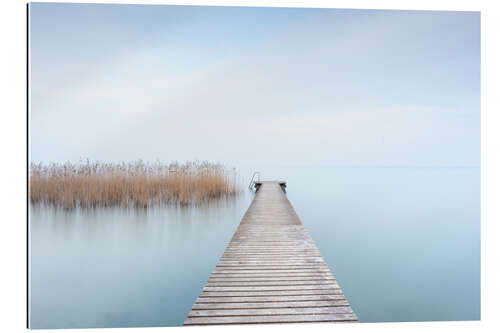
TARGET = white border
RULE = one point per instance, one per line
(13, 166)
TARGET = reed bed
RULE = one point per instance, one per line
(138, 184)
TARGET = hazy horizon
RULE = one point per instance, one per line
(251, 86)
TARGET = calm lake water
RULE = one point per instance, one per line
(404, 244)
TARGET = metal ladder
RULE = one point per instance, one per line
(252, 181)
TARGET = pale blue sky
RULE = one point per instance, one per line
(255, 86)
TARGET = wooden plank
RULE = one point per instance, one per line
(274, 276)
(271, 272)
(296, 260)
(271, 257)
(271, 283)
(272, 292)
(277, 262)
(265, 299)
(271, 319)
(270, 267)
(273, 311)
(267, 305)
(282, 278)
(274, 287)
(273, 247)
(272, 252)
(272, 242)
(244, 261)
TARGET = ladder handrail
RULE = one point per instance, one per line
(252, 182)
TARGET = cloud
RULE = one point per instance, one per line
(329, 89)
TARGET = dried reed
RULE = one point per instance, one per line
(139, 184)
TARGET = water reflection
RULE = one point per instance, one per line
(117, 267)
(404, 244)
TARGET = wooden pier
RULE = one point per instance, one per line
(271, 272)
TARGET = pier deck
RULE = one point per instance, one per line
(271, 272)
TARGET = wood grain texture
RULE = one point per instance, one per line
(271, 272)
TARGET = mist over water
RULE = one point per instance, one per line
(403, 243)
